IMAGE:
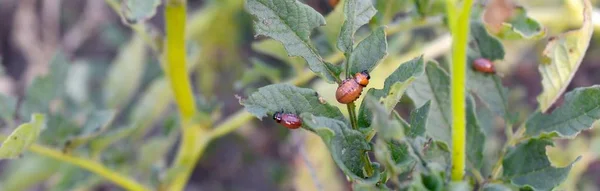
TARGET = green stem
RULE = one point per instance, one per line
(352, 112)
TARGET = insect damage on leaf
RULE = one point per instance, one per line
(562, 56)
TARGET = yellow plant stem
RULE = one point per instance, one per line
(459, 27)
(194, 139)
(93, 166)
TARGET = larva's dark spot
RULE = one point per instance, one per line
(15, 138)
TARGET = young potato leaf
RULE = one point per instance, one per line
(369, 52)
(139, 10)
(125, 74)
(22, 137)
(46, 88)
(520, 26)
(579, 111)
(475, 136)
(489, 89)
(486, 86)
(418, 121)
(289, 99)
(8, 105)
(357, 14)
(386, 127)
(487, 46)
(345, 144)
(434, 86)
(291, 22)
(526, 165)
(562, 57)
(393, 88)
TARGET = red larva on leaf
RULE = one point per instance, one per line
(291, 121)
(484, 65)
(350, 89)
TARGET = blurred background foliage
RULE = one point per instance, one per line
(105, 95)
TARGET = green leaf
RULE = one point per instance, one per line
(291, 22)
(434, 86)
(8, 105)
(475, 136)
(520, 26)
(345, 145)
(527, 165)
(562, 57)
(44, 89)
(125, 74)
(496, 187)
(393, 88)
(139, 10)
(581, 108)
(418, 121)
(489, 89)
(386, 127)
(357, 13)
(488, 46)
(369, 52)
(97, 122)
(22, 137)
(290, 99)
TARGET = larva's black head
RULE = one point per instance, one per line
(277, 116)
(366, 73)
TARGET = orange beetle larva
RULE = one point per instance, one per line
(350, 89)
(291, 121)
(484, 65)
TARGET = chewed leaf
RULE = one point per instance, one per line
(357, 14)
(139, 10)
(393, 88)
(434, 86)
(579, 111)
(563, 55)
(528, 165)
(520, 26)
(369, 52)
(291, 22)
(22, 137)
(290, 99)
(345, 144)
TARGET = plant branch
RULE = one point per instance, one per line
(88, 164)
(459, 27)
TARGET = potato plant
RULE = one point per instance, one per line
(440, 146)
(427, 127)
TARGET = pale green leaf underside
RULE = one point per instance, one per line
(289, 99)
(125, 74)
(290, 22)
(369, 52)
(357, 14)
(579, 111)
(563, 55)
(528, 165)
(22, 137)
(434, 86)
(140, 10)
(345, 144)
